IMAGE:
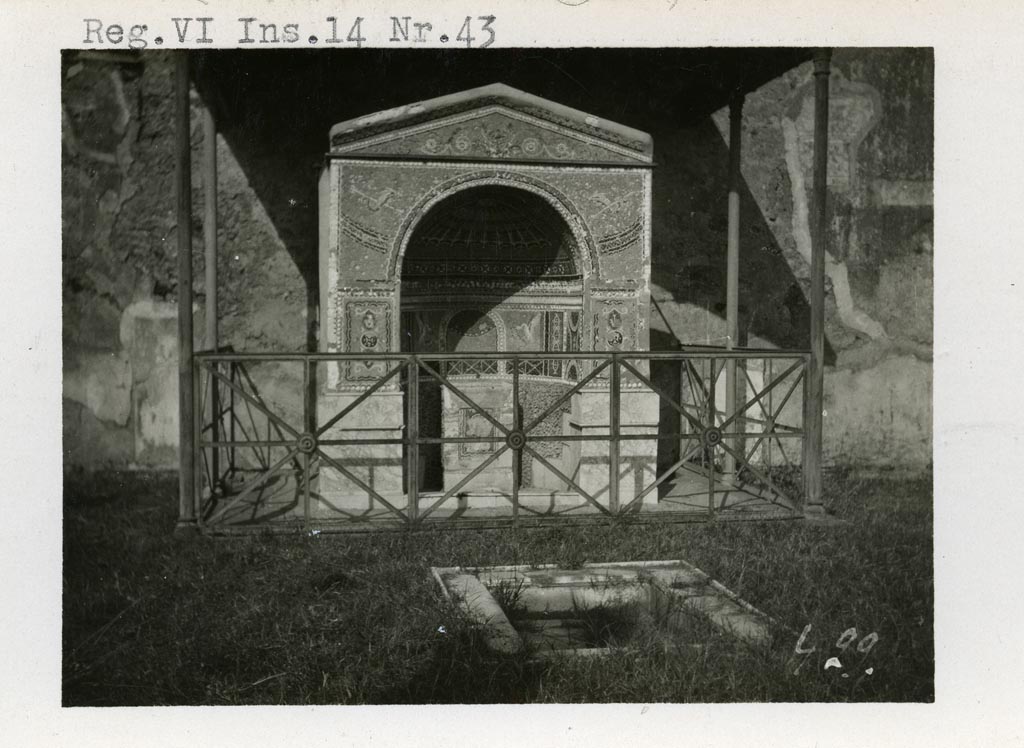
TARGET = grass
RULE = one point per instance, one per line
(608, 625)
(152, 618)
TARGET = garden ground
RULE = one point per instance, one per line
(154, 618)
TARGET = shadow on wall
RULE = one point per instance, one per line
(689, 255)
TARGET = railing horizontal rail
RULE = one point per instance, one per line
(688, 353)
(250, 443)
(501, 439)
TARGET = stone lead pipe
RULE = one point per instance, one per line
(183, 189)
(732, 278)
(815, 388)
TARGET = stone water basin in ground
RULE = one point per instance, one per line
(550, 611)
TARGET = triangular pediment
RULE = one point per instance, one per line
(493, 123)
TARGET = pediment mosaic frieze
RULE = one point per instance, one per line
(493, 134)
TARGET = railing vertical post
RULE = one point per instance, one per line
(412, 436)
(613, 434)
(771, 409)
(214, 426)
(814, 400)
(688, 372)
(517, 454)
(677, 418)
(232, 375)
(183, 185)
(210, 224)
(805, 437)
(197, 435)
(210, 254)
(308, 376)
(309, 428)
(709, 448)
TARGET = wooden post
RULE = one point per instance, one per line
(815, 388)
(732, 279)
(210, 256)
(183, 188)
(210, 223)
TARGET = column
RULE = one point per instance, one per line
(183, 188)
(732, 280)
(210, 258)
(210, 223)
(815, 379)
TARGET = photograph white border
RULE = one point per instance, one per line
(979, 293)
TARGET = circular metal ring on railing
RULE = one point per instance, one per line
(712, 436)
(306, 443)
(516, 439)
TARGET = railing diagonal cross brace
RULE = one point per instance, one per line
(254, 444)
(251, 485)
(264, 460)
(218, 416)
(693, 375)
(458, 486)
(699, 398)
(355, 479)
(664, 395)
(782, 450)
(757, 474)
(772, 417)
(746, 375)
(757, 398)
(313, 460)
(359, 400)
(256, 394)
(206, 470)
(566, 478)
(565, 396)
(465, 398)
(669, 472)
(259, 406)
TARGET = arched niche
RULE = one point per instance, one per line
(501, 251)
(490, 267)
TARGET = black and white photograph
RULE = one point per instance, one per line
(510, 375)
(408, 363)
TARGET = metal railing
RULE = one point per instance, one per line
(265, 456)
